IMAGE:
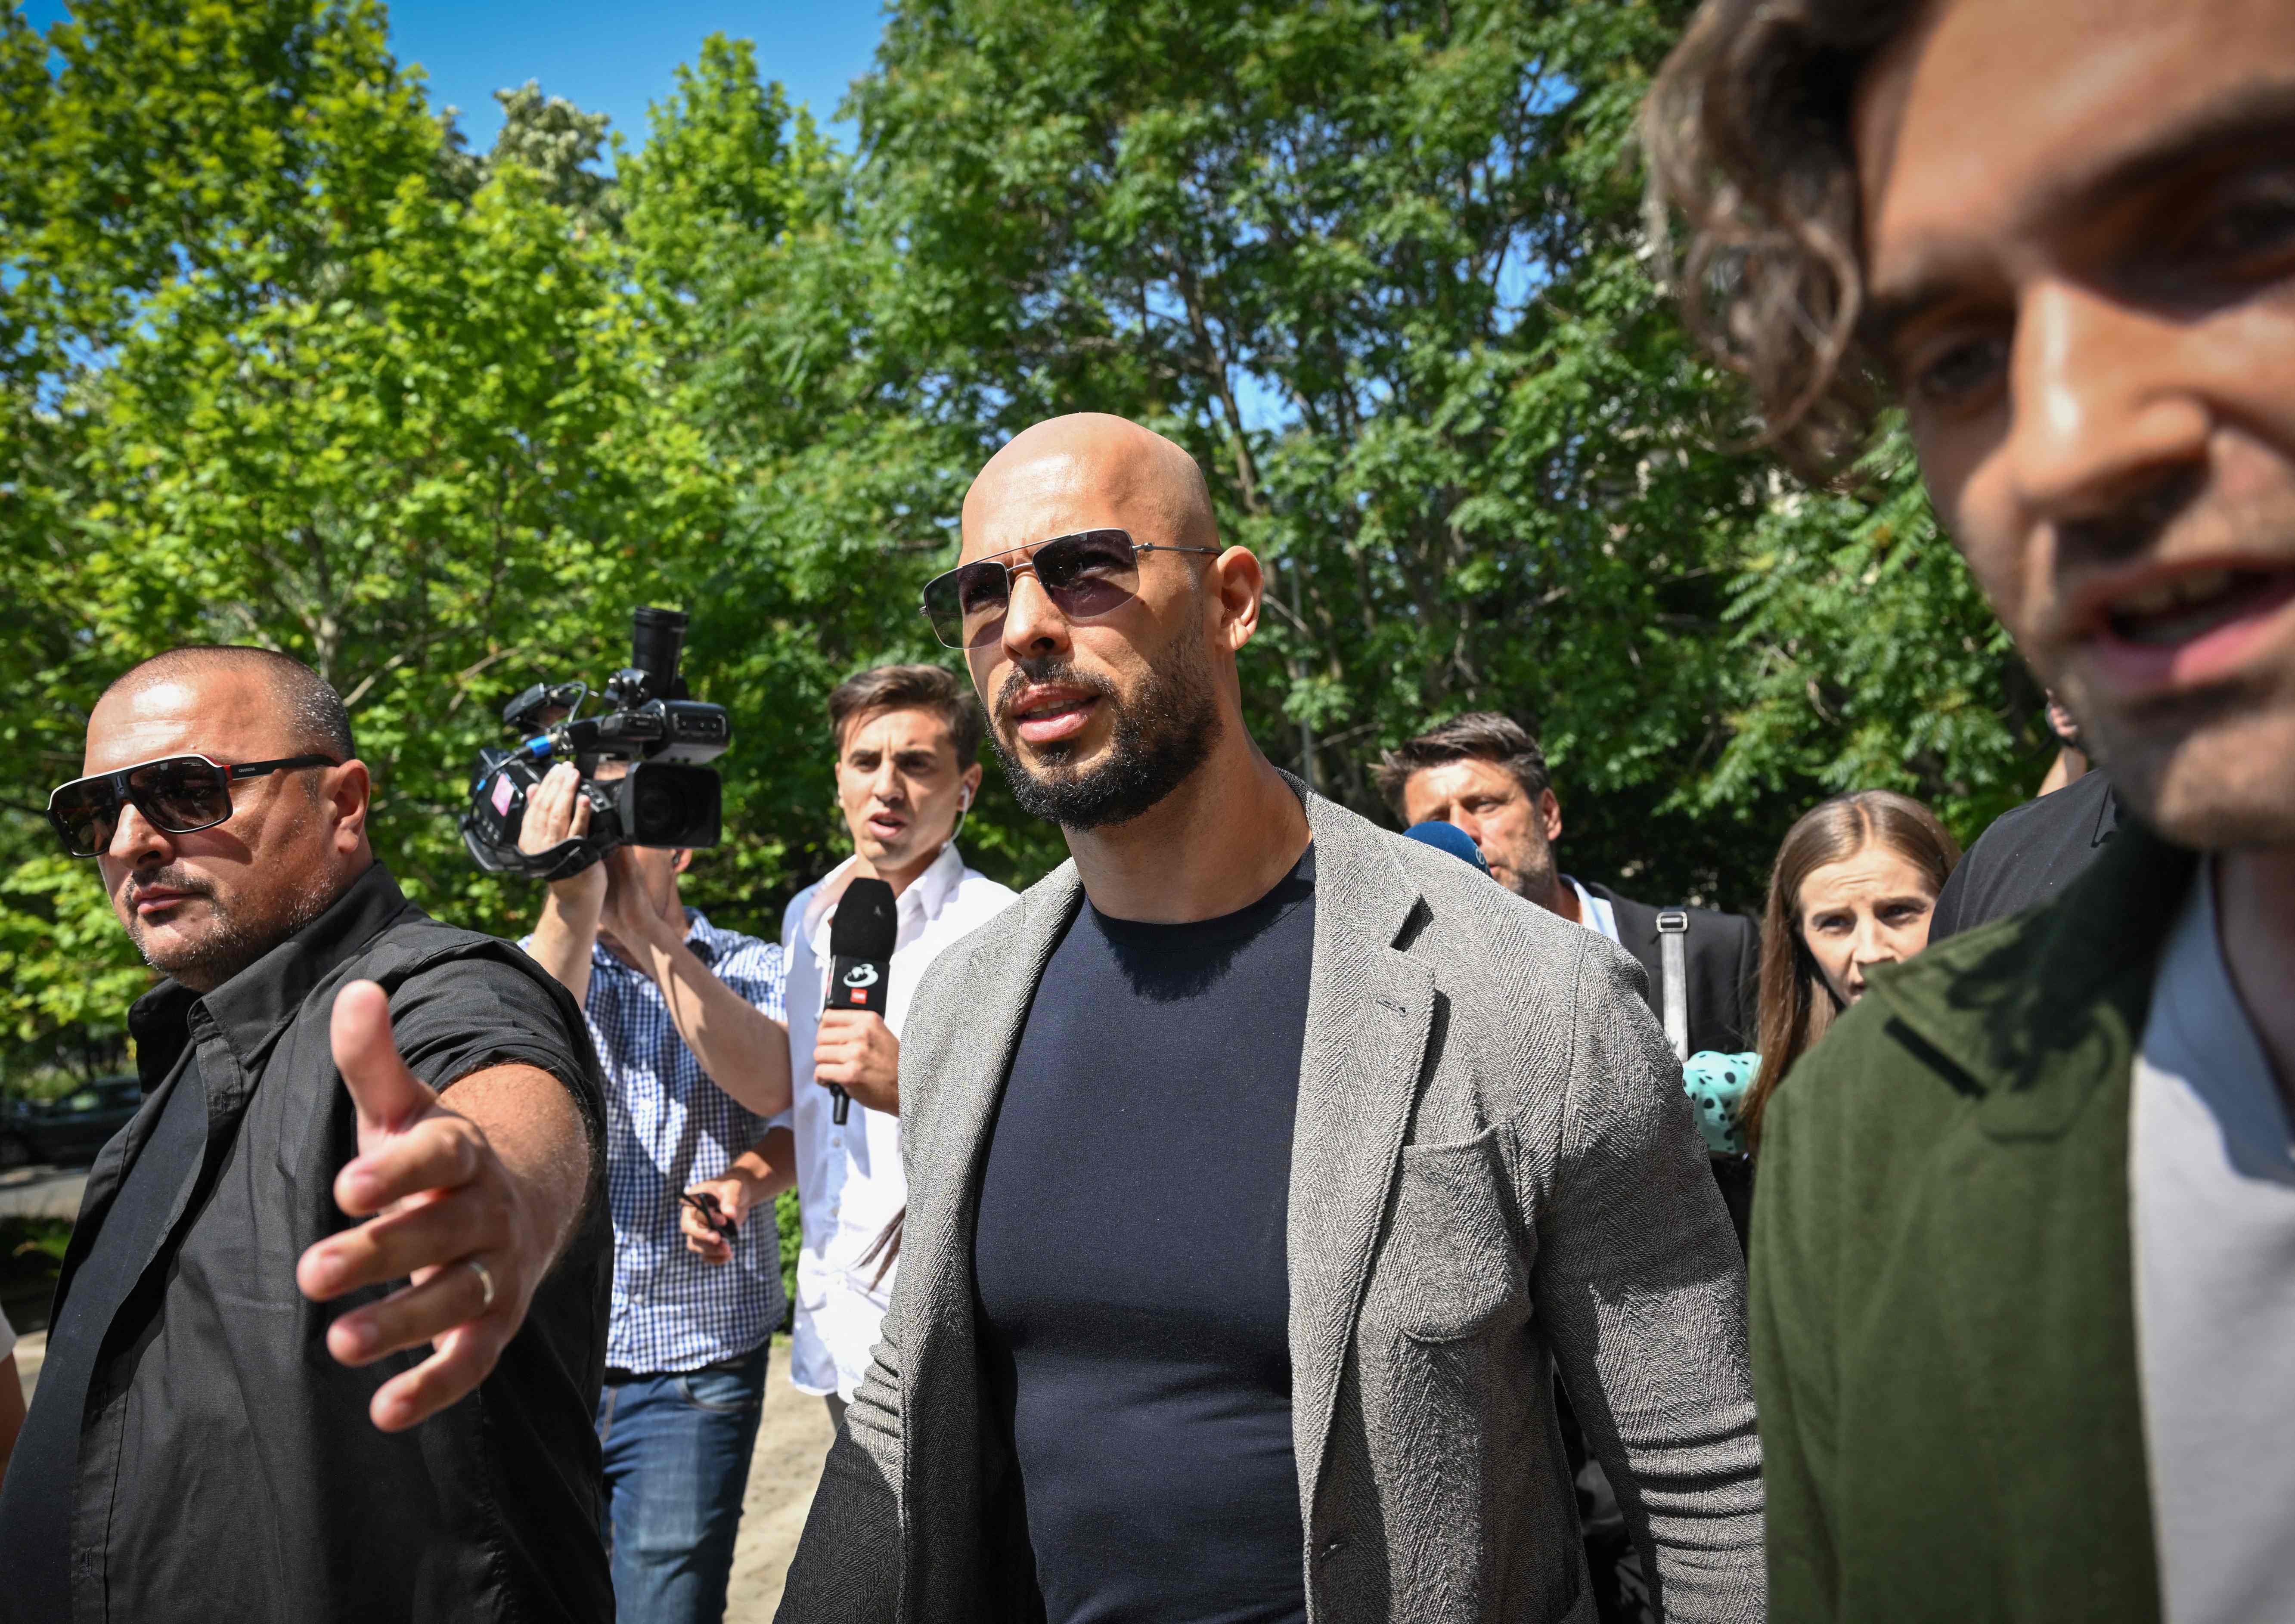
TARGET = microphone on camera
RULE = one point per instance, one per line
(860, 937)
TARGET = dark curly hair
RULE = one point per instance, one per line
(1750, 153)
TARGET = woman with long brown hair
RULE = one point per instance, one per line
(1853, 886)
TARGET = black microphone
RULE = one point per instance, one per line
(860, 937)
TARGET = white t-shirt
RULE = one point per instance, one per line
(2213, 1180)
(849, 1180)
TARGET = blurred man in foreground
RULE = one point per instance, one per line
(908, 747)
(217, 1433)
(12, 1396)
(2026, 1230)
(1210, 1309)
(686, 1017)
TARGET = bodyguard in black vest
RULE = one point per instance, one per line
(331, 1325)
(1484, 772)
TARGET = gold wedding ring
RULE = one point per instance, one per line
(486, 1280)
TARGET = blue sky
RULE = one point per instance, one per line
(614, 58)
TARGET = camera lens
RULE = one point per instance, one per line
(659, 807)
(670, 804)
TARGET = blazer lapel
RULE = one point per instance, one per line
(941, 1392)
(1369, 1011)
(998, 1000)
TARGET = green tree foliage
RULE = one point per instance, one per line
(1867, 658)
(283, 361)
(297, 389)
(1383, 267)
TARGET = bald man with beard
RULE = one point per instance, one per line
(1262, 1165)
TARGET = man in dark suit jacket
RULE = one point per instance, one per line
(1484, 772)
(2030, 853)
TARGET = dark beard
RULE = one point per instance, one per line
(1162, 734)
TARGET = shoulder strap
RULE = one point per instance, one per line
(1673, 974)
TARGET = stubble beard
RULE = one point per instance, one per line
(2215, 772)
(1163, 733)
(231, 942)
(2211, 769)
(1529, 873)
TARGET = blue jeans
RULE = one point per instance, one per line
(677, 1463)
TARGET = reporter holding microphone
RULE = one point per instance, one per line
(907, 741)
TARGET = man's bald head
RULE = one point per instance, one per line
(204, 903)
(1085, 472)
(1110, 686)
(315, 720)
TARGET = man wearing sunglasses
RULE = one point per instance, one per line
(360, 1196)
(1262, 1165)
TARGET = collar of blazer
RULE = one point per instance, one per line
(1997, 1233)
(1370, 1010)
(2036, 1011)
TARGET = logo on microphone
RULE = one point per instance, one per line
(862, 976)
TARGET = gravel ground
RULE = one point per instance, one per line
(793, 1437)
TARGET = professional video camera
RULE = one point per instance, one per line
(667, 798)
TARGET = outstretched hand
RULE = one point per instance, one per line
(442, 1211)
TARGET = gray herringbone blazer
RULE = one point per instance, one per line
(1493, 1170)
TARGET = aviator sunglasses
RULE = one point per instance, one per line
(178, 793)
(1087, 575)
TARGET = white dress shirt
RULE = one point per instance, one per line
(1593, 913)
(849, 1180)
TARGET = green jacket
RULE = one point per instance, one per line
(1944, 1329)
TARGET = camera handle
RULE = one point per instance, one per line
(563, 861)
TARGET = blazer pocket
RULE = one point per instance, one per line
(1452, 1262)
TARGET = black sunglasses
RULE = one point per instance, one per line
(1089, 574)
(179, 794)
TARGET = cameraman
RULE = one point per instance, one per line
(687, 1021)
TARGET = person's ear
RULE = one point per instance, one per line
(348, 791)
(970, 790)
(1549, 815)
(1238, 584)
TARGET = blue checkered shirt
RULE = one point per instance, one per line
(668, 1128)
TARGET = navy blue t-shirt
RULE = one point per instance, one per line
(1130, 1260)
